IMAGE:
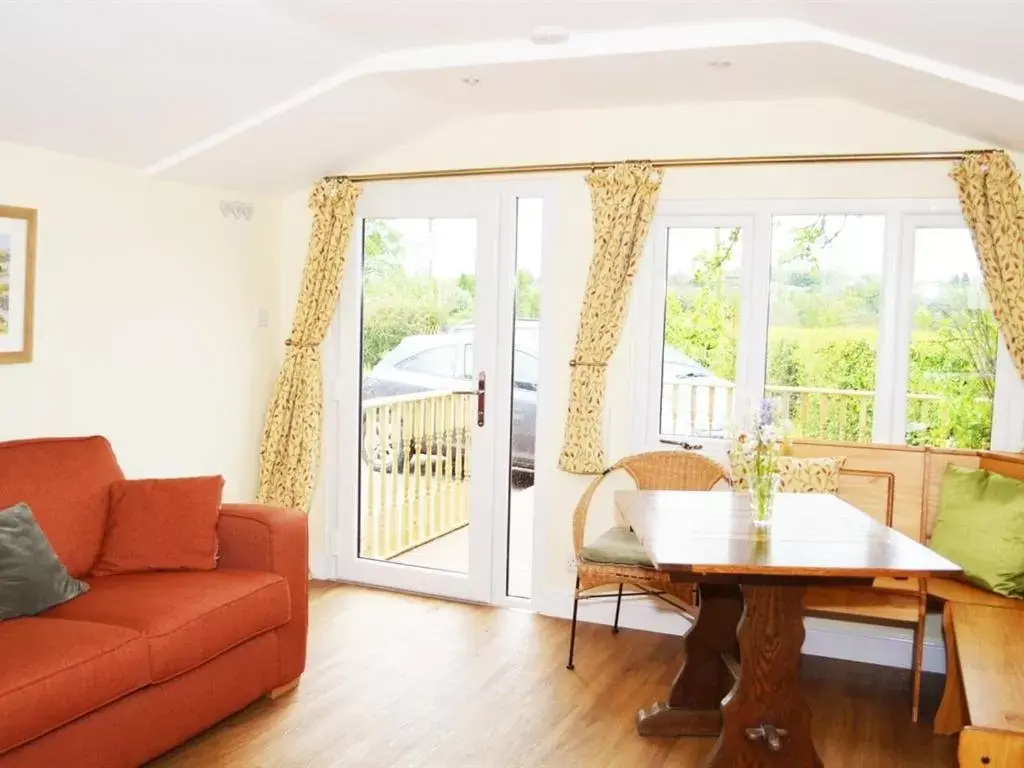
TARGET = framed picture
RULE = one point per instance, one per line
(17, 282)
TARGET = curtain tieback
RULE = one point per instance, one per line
(589, 363)
(298, 345)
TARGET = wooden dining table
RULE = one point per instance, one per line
(740, 677)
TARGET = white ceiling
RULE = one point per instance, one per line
(272, 93)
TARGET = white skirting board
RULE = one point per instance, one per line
(866, 643)
(320, 565)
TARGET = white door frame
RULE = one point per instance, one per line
(493, 205)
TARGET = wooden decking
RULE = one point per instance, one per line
(406, 682)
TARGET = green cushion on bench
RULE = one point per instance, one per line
(619, 546)
(980, 527)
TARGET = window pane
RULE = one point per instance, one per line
(525, 369)
(523, 438)
(825, 298)
(418, 292)
(702, 300)
(951, 381)
(438, 361)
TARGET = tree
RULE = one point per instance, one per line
(701, 314)
(527, 296)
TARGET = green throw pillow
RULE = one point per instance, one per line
(980, 527)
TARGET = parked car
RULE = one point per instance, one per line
(444, 362)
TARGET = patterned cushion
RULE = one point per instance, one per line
(619, 546)
(819, 475)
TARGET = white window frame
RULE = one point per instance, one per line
(902, 218)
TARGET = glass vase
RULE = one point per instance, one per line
(763, 488)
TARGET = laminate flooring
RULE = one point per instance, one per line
(397, 681)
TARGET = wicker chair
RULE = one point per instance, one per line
(655, 471)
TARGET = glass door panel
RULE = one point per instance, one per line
(418, 391)
(529, 230)
(416, 350)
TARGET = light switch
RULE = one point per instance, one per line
(262, 317)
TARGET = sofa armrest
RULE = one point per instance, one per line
(260, 538)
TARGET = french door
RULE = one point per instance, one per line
(420, 418)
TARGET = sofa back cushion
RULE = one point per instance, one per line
(66, 482)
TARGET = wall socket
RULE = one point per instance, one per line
(570, 562)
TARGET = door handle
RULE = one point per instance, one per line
(481, 397)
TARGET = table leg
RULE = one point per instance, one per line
(765, 721)
(694, 703)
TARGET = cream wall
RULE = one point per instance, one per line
(755, 128)
(146, 318)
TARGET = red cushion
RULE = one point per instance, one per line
(188, 617)
(55, 671)
(66, 482)
(161, 525)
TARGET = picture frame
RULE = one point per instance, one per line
(17, 283)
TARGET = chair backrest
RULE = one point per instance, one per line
(653, 471)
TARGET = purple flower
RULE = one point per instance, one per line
(766, 412)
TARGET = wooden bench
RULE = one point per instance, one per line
(984, 682)
(899, 485)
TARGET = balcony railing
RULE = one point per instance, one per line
(416, 465)
(704, 410)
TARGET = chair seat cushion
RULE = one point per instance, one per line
(187, 617)
(53, 671)
(618, 546)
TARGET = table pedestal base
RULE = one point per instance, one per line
(664, 721)
(766, 722)
(694, 703)
(755, 708)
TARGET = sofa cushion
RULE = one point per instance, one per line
(54, 671)
(66, 482)
(169, 524)
(188, 617)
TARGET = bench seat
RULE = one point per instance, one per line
(886, 601)
(956, 591)
(984, 684)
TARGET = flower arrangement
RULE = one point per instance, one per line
(759, 449)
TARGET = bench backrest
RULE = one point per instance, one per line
(899, 485)
(898, 467)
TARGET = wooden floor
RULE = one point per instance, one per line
(405, 682)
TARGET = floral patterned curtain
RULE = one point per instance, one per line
(622, 198)
(993, 206)
(290, 449)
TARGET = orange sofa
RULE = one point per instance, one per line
(141, 662)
